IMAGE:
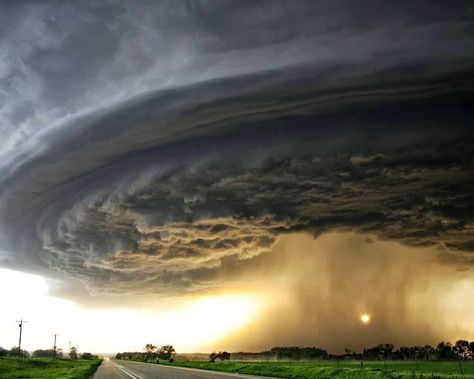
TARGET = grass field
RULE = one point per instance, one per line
(47, 368)
(342, 369)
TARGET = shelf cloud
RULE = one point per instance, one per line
(165, 148)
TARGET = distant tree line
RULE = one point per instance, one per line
(285, 353)
(46, 353)
(462, 349)
(150, 353)
(13, 352)
(298, 353)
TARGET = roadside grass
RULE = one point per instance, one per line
(340, 369)
(47, 368)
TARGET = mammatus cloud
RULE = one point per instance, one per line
(175, 158)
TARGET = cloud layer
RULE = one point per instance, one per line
(169, 153)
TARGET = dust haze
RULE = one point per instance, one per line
(317, 289)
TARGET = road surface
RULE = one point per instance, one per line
(119, 369)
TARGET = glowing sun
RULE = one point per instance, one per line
(365, 318)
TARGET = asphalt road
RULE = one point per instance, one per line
(118, 369)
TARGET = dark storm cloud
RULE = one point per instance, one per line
(163, 147)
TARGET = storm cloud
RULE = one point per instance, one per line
(165, 147)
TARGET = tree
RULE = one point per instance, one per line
(14, 352)
(213, 356)
(429, 351)
(49, 353)
(73, 352)
(444, 351)
(296, 352)
(87, 355)
(150, 350)
(166, 352)
(224, 355)
(3, 352)
(463, 349)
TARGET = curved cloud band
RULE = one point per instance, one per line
(167, 191)
(164, 193)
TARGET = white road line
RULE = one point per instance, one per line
(129, 373)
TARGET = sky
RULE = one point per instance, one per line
(236, 175)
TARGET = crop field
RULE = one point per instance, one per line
(47, 368)
(341, 369)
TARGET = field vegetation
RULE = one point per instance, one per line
(47, 368)
(340, 369)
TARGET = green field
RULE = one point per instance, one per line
(47, 368)
(342, 369)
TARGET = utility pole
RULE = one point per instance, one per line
(54, 346)
(19, 339)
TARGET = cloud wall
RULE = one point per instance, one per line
(163, 148)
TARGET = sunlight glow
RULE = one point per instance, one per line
(209, 319)
(190, 324)
(365, 318)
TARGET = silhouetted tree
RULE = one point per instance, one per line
(462, 349)
(213, 356)
(14, 352)
(428, 352)
(73, 352)
(296, 352)
(382, 351)
(444, 351)
(87, 355)
(151, 351)
(49, 353)
(166, 352)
